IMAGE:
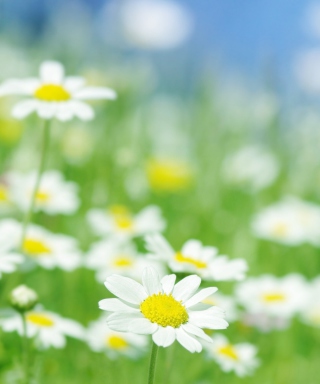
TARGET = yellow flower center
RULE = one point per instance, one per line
(35, 247)
(280, 230)
(164, 310)
(273, 297)
(228, 351)
(123, 261)
(3, 194)
(52, 92)
(169, 175)
(180, 258)
(39, 319)
(122, 217)
(42, 197)
(116, 342)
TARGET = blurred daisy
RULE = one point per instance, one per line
(54, 196)
(196, 258)
(42, 247)
(8, 259)
(103, 339)
(227, 303)
(272, 296)
(310, 310)
(54, 95)
(240, 358)
(169, 175)
(5, 195)
(252, 167)
(112, 256)
(291, 222)
(48, 328)
(162, 308)
(119, 221)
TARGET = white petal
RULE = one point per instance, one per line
(142, 327)
(151, 281)
(164, 336)
(188, 342)
(211, 318)
(82, 110)
(186, 287)
(120, 321)
(95, 93)
(194, 330)
(115, 305)
(126, 289)
(24, 108)
(200, 296)
(51, 72)
(73, 83)
(167, 283)
(46, 110)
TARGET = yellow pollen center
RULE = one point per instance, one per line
(164, 310)
(228, 351)
(39, 319)
(180, 258)
(122, 217)
(273, 297)
(123, 261)
(35, 247)
(42, 197)
(280, 230)
(51, 93)
(116, 342)
(3, 194)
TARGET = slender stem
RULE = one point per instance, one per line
(152, 367)
(25, 351)
(28, 216)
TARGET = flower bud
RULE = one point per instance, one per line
(23, 298)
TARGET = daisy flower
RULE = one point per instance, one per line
(239, 358)
(54, 95)
(310, 310)
(111, 256)
(196, 258)
(162, 308)
(274, 297)
(42, 247)
(120, 222)
(103, 339)
(54, 196)
(48, 328)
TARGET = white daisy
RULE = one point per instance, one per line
(196, 258)
(102, 339)
(278, 297)
(290, 221)
(240, 358)
(310, 310)
(252, 167)
(162, 308)
(111, 256)
(119, 221)
(42, 247)
(54, 195)
(54, 95)
(48, 328)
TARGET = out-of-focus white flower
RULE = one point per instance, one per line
(196, 258)
(240, 358)
(5, 198)
(251, 167)
(54, 196)
(112, 256)
(290, 221)
(155, 24)
(48, 328)
(54, 95)
(119, 221)
(103, 339)
(227, 303)
(162, 308)
(272, 296)
(310, 311)
(42, 247)
(23, 298)
(306, 71)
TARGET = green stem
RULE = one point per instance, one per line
(28, 216)
(25, 351)
(153, 360)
